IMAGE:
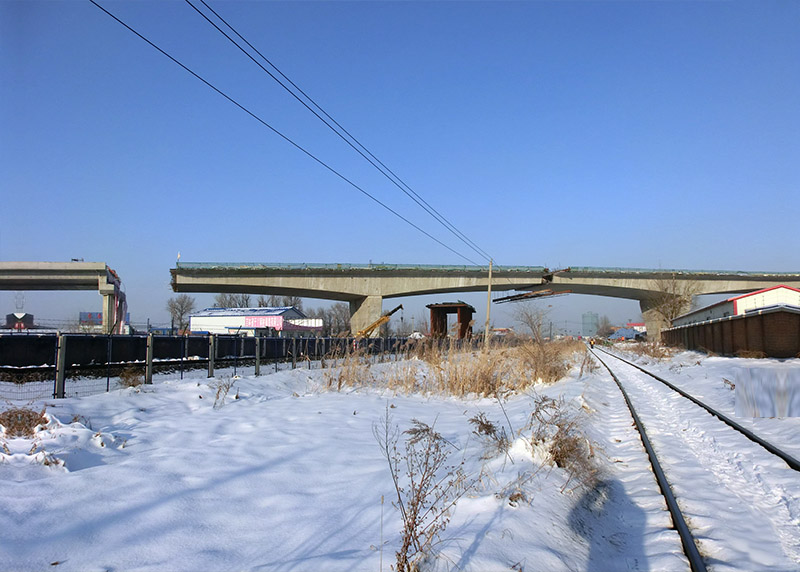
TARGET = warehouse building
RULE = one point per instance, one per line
(765, 322)
(281, 322)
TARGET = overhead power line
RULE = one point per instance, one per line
(335, 126)
(281, 135)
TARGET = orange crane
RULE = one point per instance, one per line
(376, 324)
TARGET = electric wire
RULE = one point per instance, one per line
(358, 146)
(281, 135)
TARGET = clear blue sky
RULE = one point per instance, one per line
(622, 133)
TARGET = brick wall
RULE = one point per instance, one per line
(776, 334)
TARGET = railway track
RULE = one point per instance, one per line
(734, 497)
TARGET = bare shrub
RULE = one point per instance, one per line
(21, 421)
(429, 490)
(131, 377)
(559, 431)
(495, 440)
(221, 389)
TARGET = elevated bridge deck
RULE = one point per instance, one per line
(365, 285)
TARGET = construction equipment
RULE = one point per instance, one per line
(365, 333)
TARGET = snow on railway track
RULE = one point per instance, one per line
(741, 503)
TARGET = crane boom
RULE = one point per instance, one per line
(377, 323)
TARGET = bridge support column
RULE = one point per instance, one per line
(109, 307)
(364, 311)
(654, 322)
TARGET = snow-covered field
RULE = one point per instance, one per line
(289, 476)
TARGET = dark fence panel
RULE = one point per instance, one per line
(18, 350)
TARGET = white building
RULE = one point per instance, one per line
(284, 322)
(740, 305)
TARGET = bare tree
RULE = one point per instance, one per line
(179, 308)
(280, 302)
(672, 296)
(335, 320)
(604, 327)
(232, 300)
(532, 318)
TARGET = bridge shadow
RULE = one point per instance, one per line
(613, 525)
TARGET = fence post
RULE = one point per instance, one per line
(258, 356)
(61, 360)
(294, 353)
(211, 353)
(183, 351)
(108, 365)
(148, 368)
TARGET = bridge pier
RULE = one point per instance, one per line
(109, 307)
(365, 311)
(654, 322)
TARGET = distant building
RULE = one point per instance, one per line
(626, 334)
(590, 322)
(762, 323)
(283, 322)
(19, 321)
(741, 305)
(638, 326)
(92, 322)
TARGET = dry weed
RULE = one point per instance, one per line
(427, 487)
(751, 354)
(549, 362)
(21, 421)
(559, 431)
(588, 364)
(131, 377)
(221, 389)
(652, 349)
(495, 440)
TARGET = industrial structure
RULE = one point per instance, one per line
(463, 325)
(765, 322)
(282, 322)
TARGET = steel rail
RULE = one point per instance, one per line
(788, 459)
(687, 540)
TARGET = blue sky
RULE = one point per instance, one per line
(622, 133)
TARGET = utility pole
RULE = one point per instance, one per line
(488, 308)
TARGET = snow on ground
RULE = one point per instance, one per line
(289, 476)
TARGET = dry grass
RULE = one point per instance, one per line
(449, 370)
(131, 377)
(752, 354)
(588, 364)
(549, 362)
(349, 370)
(22, 422)
(652, 350)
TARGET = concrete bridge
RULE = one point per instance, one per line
(650, 286)
(70, 276)
(365, 286)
